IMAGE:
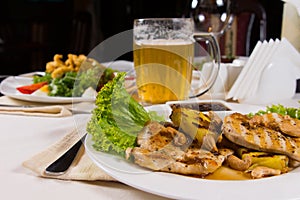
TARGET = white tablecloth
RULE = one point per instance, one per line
(24, 136)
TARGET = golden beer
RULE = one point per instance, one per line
(163, 69)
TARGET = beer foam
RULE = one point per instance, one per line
(163, 42)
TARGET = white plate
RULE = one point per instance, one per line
(283, 187)
(8, 87)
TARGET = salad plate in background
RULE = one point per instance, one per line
(8, 88)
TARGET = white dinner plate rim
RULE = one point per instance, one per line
(182, 187)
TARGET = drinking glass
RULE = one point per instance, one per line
(164, 59)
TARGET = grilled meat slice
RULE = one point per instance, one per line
(193, 162)
(155, 136)
(262, 171)
(294, 163)
(275, 121)
(166, 149)
(237, 129)
(196, 162)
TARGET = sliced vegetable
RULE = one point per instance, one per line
(191, 122)
(267, 160)
(29, 89)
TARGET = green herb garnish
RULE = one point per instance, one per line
(280, 109)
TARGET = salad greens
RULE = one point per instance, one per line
(280, 109)
(47, 77)
(63, 86)
(74, 83)
(117, 118)
(85, 79)
(94, 77)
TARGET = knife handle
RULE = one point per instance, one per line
(61, 165)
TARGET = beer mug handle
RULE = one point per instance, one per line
(215, 53)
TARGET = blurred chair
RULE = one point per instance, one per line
(12, 58)
(39, 44)
(23, 46)
(80, 38)
(249, 26)
(6, 33)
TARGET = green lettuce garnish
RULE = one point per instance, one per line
(117, 118)
(280, 109)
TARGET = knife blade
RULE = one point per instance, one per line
(62, 164)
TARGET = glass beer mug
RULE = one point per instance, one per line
(163, 59)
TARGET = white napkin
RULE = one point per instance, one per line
(36, 109)
(82, 168)
(269, 75)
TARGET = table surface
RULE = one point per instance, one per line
(24, 136)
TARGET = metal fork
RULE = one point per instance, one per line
(62, 164)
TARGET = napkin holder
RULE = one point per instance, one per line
(278, 80)
(276, 83)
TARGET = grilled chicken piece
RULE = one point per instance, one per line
(285, 124)
(294, 163)
(261, 171)
(148, 138)
(237, 129)
(166, 149)
(193, 162)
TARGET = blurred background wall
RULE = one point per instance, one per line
(32, 31)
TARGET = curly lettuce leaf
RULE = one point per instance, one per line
(117, 118)
(280, 109)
